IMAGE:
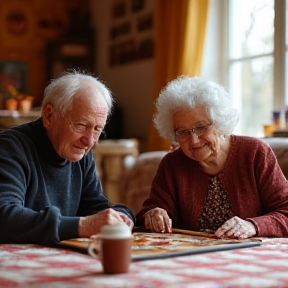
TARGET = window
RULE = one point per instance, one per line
(257, 62)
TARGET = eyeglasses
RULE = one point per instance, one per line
(82, 128)
(185, 134)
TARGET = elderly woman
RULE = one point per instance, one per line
(216, 182)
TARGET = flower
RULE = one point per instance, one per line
(11, 92)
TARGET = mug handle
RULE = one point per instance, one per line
(95, 245)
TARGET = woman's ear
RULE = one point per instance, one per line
(47, 115)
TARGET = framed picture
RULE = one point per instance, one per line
(119, 9)
(13, 73)
(137, 5)
(120, 30)
(145, 22)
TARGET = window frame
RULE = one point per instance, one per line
(280, 98)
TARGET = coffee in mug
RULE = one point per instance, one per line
(114, 245)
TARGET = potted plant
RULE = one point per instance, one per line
(11, 98)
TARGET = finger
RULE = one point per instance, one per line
(126, 219)
(161, 223)
(157, 223)
(238, 231)
(109, 216)
(118, 216)
(220, 232)
(150, 225)
(148, 221)
(223, 231)
(167, 224)
(170, 226)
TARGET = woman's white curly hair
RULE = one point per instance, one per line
(185, 93)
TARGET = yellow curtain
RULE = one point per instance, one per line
(180, 33)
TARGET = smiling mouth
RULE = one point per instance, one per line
(194, 148)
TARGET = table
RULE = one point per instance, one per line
(37, 266)
(10, 118)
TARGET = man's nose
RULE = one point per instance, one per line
(89, 139)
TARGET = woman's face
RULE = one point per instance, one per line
(200, 148)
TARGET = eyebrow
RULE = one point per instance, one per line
(197, 123)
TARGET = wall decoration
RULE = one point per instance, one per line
(120, 29)
(119, 9)
(52, 25)
(131, 32)
(13, 73)
(28, 29)
(137, 5)
(145, 22)
(146, 48)
(16, 22)
(123, 52)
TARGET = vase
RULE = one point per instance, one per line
(11, 104)
(25, 105)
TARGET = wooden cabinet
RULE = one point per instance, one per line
(70, 53)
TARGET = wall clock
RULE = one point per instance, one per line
(16, 22)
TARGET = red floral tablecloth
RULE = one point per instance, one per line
(37, 266)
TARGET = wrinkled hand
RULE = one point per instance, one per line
(126, 220)
(158, 220)
(236, 228)
(90, 225)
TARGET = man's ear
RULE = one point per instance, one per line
(47, 115)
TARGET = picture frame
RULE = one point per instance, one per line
(14, 73)
(118, 9)
(137, 5)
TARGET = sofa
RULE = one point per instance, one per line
(138, 177)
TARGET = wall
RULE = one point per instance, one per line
(26, 29)
(131, 83)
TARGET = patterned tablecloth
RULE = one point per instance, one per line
(37, 266)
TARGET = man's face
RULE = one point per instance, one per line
(77, 131)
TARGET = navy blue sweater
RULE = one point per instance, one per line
(42, 195)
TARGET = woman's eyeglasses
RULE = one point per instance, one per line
(185, 134)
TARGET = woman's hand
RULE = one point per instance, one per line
(236, 228)
(158, 220)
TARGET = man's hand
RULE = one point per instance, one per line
(158, 220)
(90, 225)
(236, 228)
(126, 220)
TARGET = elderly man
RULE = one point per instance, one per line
(49, 187)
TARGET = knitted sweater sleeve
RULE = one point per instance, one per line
(163, 193)
(273, 192)
(19, 223)
(92, 197)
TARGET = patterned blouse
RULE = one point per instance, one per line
(216, 210)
